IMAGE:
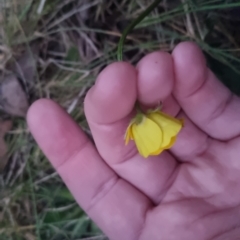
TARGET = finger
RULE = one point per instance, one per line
(108, 108)
(110, 201)
(155, 81)
(155, 71)
(207, 102)
(191, 141)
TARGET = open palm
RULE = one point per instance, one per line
(189, 192)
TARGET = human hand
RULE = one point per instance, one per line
(189, 192)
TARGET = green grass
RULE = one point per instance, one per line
(33, 200)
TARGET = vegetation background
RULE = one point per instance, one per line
(55, 49)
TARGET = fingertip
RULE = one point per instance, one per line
(54, 130)
(189, 67)
(37, 111)
(114, 94)
(187, 49)
(155, 77)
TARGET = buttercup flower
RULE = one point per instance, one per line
(153, 132)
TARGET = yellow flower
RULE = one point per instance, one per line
(153, 132)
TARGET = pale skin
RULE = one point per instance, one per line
(189, 192)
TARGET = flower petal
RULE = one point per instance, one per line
(169, 125)
(148, 136)
(160, 150)
(172, 142)
(127, 136)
